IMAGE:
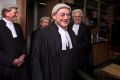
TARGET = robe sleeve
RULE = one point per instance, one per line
(37, 73)
(5, 59)
(86, 44)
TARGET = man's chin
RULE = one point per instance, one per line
(65, 27)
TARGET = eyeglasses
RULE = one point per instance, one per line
(77, 16)
(63, 14)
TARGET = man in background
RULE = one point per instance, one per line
(43, 22)
(83, 35)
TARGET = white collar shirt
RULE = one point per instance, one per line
(75, 28)
(11, 27)
(65, 38)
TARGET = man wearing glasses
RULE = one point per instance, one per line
(83, 35)
(54, 54)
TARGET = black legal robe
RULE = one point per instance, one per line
(49, 61)
(10, 49)
(84, 48)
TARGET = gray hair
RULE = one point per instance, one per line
(60, 6)
(77, 10)
(44, 18)
(7, 8)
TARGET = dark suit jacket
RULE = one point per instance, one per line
(46, 62)
(84, 47)
(83, 37)
(10, 48)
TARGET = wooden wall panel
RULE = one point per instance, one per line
(50, 5)
(100, 53)
(22, 14)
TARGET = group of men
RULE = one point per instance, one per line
(63, 47)
(57, 49)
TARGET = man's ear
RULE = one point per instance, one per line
(6, 13)
(54, 16)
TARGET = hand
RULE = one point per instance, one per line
(22, 57)
(19, 61)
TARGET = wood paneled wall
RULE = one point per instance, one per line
(22, 15)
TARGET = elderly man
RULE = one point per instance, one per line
(83, 35)
(12, 46)
(43, 22)
(53, 56)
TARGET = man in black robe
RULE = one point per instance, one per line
(83, 35)
(43, 22)
(54, 56)
(12, 46)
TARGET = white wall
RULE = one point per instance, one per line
(3, 2)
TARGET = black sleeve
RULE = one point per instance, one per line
(36, 58)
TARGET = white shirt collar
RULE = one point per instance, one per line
(65, 38)
(75, 28)
(10, 26)
(6, 20)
